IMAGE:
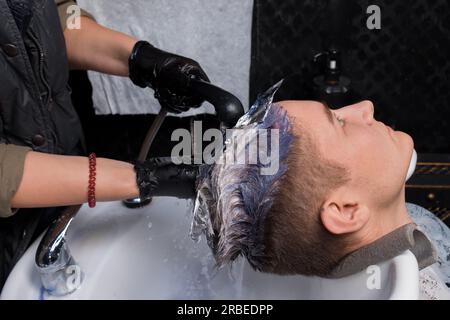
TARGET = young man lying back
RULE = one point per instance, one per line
(337, 198)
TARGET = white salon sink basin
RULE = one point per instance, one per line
(147, 253)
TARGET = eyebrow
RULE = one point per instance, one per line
(328, 113)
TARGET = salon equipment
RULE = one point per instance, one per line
(150, 137)
(331, 85)
(228, 108)
(53, 258)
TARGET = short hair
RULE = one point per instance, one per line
(296, 241)
(271, 220)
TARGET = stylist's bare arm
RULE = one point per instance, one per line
(54, 180)
(94, 47)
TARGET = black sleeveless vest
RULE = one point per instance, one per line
(35, 110)
(35, 104)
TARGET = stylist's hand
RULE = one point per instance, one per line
(155, 171)
(167, 74)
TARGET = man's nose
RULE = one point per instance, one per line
(362, 111)
(367, 111)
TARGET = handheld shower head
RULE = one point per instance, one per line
(228, 108)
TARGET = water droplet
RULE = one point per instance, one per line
(150, 225)
(165, 260)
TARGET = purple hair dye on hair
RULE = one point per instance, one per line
(233, 200)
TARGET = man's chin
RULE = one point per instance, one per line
(406, 141)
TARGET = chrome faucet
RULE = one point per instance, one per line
(60, 274)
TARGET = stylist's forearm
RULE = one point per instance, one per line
(53, 180)
(94, 47)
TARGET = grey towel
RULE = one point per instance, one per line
(407, 237)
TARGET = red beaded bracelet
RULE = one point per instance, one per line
(92, 173)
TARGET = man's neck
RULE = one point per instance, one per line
(386, 220)
(394, 216)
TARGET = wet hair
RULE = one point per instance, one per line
(296, 241)
(269, 219)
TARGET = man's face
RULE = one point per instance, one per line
(376, 156)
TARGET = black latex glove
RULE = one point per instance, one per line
(167, 74)
(154, 173)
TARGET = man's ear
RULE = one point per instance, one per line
(341, 214)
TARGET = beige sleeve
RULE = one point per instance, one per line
(62, 10)
(12, 160)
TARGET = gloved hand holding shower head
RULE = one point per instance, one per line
(168, 74)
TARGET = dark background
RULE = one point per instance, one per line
(404, 68)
